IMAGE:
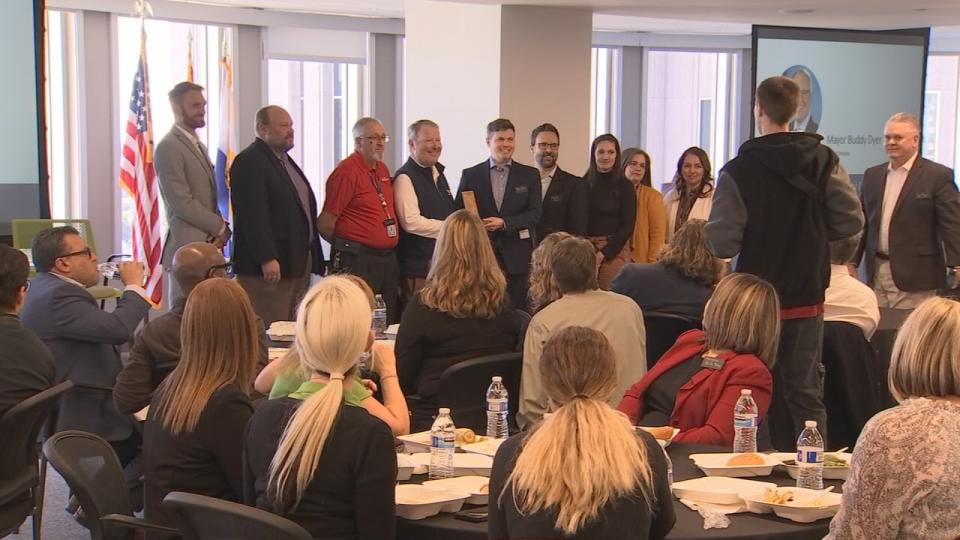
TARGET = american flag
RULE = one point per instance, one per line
(138, 177)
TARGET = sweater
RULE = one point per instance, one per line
(649, 232)
(613, 210)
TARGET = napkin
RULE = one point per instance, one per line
(714, 515)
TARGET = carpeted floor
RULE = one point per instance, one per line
(57, 524)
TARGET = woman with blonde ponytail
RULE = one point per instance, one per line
(319, 459)
(583, 472)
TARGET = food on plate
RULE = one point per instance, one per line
(484, 488)
(466, 436)
(829, 460)
(777, 496)
(663, 433)
(747, 459)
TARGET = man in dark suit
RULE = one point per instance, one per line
(156, 349)
(508, 200)
(83, 338)
(913, 220)
(26, 365)
(804, 120)
(276, 246)
(565, 204)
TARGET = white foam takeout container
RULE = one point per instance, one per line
(487, 447)
(420, 441)
(716, 465)
(663, 443)
(405, 467)
(719, 489)
(419, 502)
(829, 473)
(795, 510)
(476, 486)
(464, 464)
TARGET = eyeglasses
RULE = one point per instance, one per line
(86, 251)
(227, 268)
(548, 146)
(381, 138)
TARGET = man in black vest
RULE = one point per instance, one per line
(777, 205)
(423, 200)
(564, 195)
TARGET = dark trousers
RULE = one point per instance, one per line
(518, 286)
(379, 268)
(797, 382)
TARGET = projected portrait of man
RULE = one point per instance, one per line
(809, 109)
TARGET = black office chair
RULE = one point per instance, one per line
(852, 383)
(463, 388)
(662, 331)
(90, 467)
(205, 518)
(524, 324)
(21, 488)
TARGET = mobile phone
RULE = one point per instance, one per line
(473, 516)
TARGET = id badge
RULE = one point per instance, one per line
(524, 234)
(391, 226)
(711, 362)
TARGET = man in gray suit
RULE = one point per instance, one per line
(913, 220)
(82, 337)
(187, 182)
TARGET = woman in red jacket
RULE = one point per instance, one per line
(695, 385)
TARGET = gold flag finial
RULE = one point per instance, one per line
(143, 9)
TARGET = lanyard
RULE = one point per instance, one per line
(376, 186)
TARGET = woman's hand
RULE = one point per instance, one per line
(384, 358)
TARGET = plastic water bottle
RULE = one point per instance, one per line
(745, 415)
(669, 467)
(497, 409)
(443, 442)
(379, 317)
(810, 457)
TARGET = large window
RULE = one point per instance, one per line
(169, 48)
(324, 99)
(604, 95)
(63, 118)
(689, 100)
(941, 132)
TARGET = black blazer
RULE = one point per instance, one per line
(26, 364)
(269, 222)
(924, 227)
(564, 207)
(520, 211)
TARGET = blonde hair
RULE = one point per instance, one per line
(586, 454)
(926, 355)
(687, 253)
(333, 328)
(543, 289)
(743, 315)
(218, 336)
(465, 280)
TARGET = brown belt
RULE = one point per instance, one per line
(882, 256)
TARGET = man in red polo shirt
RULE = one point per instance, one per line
(358, 217)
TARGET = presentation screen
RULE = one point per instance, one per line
(850, 83)
(23, 177)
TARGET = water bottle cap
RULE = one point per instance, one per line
(444, 410)
(746, 392)
(810, 423)
(497, 378)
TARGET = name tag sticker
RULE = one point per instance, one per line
(524, 234)
(710, 362)
(520, 189)
(556, 198)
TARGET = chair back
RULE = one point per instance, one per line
(90, 467)
(854, 382)
(25, 229)
(662, 331)
(524, 324)
(205, 518)
(463, 388)
(21, 426)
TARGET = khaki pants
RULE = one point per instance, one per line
(889, 296)
(275, 301)
(609, 268)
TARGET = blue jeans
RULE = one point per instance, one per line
(797, 382)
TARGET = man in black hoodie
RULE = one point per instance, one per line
(777, 205)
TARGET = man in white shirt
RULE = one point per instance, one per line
(423, 200)
(847, 299)
(617, 317)
(912, 210)
(187, 185)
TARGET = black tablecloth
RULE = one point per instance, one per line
(689, 526)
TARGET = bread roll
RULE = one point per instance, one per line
(663, 433)
(748, 459)
(466, 436)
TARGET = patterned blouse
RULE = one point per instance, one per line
(904, 480)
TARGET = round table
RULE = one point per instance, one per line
(689, 524)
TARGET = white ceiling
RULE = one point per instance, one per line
(680, 16)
